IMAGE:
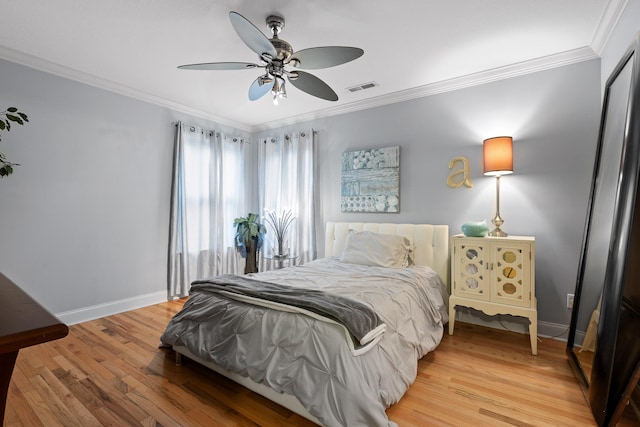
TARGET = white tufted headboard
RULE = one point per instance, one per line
(431, 242)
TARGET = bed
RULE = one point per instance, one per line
(317, 364)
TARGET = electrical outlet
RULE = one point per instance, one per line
(569, 300)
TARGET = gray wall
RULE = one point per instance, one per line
(553, 117)
(84, 219)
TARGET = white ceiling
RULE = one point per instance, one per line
(412, 47)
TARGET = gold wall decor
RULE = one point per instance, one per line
(464, 171)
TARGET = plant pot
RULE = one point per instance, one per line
(251, 264)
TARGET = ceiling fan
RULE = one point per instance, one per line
(276, 56)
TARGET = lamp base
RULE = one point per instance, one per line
(497, 221)
(497, 232)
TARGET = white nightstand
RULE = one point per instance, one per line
(495, 275)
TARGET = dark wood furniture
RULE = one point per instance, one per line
(23, 323)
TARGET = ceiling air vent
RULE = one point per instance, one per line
(362, 86)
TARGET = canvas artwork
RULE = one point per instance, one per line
(371, 180)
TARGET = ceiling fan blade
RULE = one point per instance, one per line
(251, 35)
(313, 86)
(324, 57)
(257, 91)
(219, 66)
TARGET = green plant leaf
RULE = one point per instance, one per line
(10, 115)
(6, 170)
(15, 119)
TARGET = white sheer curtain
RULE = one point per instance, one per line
(286, 176)
(208, 193)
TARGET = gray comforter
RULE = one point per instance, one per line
(360, 321)
(312, 359)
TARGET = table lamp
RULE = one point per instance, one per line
(498, 161)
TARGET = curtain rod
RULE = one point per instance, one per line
(192, 128)
(274, 139)
(248, 140)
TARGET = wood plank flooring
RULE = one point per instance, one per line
(111, 372)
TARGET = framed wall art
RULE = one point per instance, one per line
(371, 180)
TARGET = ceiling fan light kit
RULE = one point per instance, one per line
(277, 56)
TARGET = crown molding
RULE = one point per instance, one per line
(475, 79)
(98, 82)
(612, 13)
(518, 69)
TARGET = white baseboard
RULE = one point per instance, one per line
(101, 310)
(512, 323)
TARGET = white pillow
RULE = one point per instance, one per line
(384, 250)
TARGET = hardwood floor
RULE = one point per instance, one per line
(110, 371)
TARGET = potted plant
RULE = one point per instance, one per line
(11, 115)
(249, 238)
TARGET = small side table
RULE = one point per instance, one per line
(279, 261)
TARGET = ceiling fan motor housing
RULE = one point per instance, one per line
(283, 48)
